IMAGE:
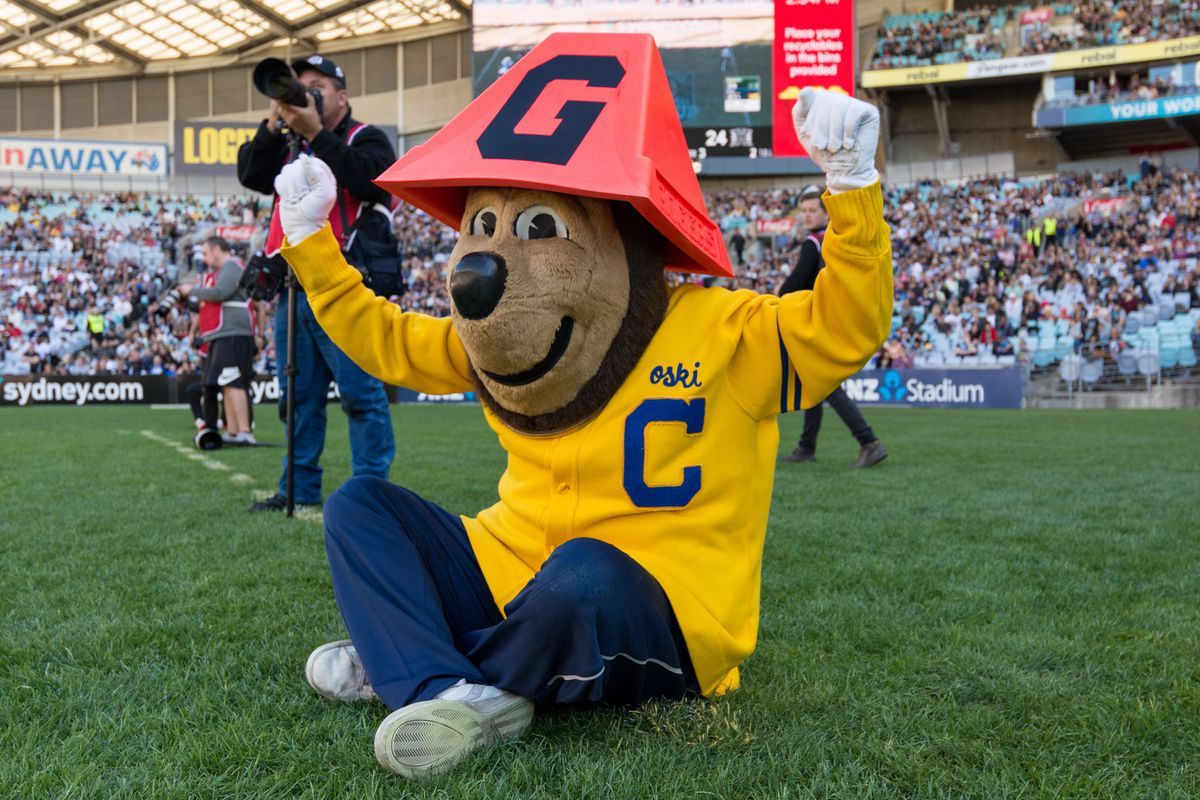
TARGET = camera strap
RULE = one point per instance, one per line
(348, 230)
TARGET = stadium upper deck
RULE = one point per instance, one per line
(1002, 41)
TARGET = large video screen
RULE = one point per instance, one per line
(717, 53)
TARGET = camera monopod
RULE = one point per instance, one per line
(275, 79)
(289, 369)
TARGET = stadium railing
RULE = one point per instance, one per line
(1156, 344)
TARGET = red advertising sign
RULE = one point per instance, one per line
(1105, 205)
(1038, 16)
(775, 227)
(814, 46)
(235, 233)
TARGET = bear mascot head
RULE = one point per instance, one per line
(557, 280)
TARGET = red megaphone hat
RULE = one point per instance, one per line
(586, 114)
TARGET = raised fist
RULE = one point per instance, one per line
(307, 192)
(840, 135)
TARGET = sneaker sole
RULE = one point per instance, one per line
(308, 675)
(430, 737)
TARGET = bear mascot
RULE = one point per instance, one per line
(622, 560)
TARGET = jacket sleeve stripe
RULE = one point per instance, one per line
(783, 380)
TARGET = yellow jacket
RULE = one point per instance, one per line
(677, 469)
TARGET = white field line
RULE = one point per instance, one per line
(306, 514)
(216, 466)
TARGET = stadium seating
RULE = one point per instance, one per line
(1105, 23)
(978, 33)
(130, 235)
(934, 37)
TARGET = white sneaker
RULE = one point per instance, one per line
(245, 439)
(335, 671)
(432, 736)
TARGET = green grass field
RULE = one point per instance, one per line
(1007, 607)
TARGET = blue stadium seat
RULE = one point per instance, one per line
(1168, 352)
(1127, 363)
(1063, 347)
(1148, 363)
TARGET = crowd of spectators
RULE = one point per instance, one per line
(983, 267)
(976, 34)
(933, 38)
(81, 279)
(1117, 89)
(80, 276)
(1104, 23)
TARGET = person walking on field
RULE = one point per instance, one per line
(814, 219)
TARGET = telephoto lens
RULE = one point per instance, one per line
(275, 79)
(168, 302)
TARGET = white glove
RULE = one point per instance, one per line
(307, 192)
(840, 135)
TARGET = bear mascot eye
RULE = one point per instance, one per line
(540, 222)
(484, 223)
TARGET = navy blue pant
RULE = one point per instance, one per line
(319, 361)
(592, 626)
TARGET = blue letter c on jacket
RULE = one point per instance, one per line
(691, 414)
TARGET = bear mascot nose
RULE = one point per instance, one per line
(477, 284)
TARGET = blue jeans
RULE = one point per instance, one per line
(592, 626)
(319, 361)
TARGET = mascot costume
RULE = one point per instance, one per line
(622, 560)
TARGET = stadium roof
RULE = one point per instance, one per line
(132, 34)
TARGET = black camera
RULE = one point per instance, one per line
(264, 276)
(169, 301)
(275, 79)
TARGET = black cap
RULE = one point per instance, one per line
(322, 65)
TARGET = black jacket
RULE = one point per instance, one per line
(354, 166)
(808, 264)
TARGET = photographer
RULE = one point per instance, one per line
(227, 327)
(356, 153)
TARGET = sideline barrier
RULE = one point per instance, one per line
(938, 388)
(1088, 58)
(982, 387)
(88, 390)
